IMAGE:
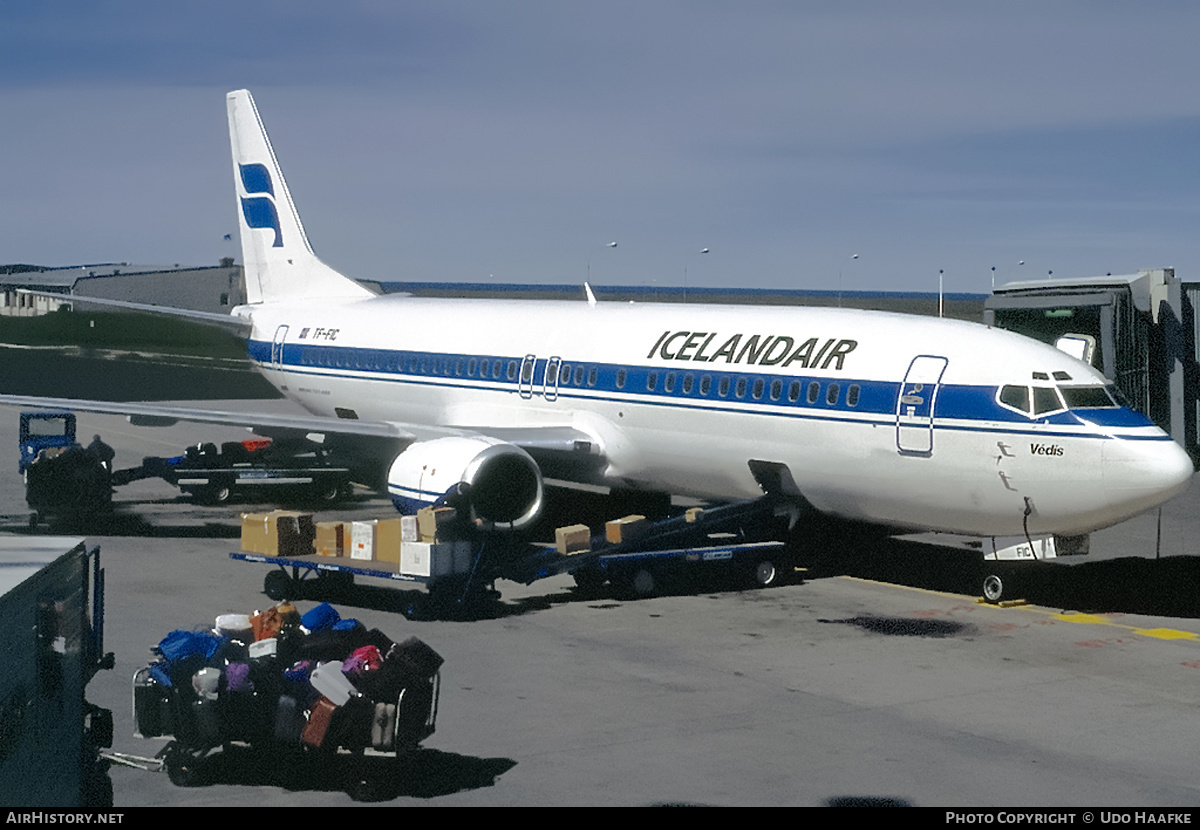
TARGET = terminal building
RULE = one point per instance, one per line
(216, 288)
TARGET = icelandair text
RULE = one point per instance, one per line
(759, 349)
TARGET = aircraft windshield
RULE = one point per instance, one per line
(1042, 400)
(1087, 397)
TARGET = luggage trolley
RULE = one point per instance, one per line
(328, 578)
(210, 693)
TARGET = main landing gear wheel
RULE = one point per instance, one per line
(993, 588)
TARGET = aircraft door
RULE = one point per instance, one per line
(914, 409)
(525, 380)
(277, 347)
(550, 379)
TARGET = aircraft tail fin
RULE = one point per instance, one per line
(279, 262)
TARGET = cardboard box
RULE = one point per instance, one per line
(432, 522)
(408, 529)
(625, 529)
(254, 532)
(278, 533)
(434, 559)
(464, 557)
(416, 558)
(330, 539)
(388, 535)
(573, 539)
(294, 532)
(362, 540)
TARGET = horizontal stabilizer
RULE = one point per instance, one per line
(239, 325)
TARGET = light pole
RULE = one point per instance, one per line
(589, 258)
(685, 270)
(853, 258)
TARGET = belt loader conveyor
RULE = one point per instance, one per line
(714, 537)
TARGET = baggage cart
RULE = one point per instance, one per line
(225, 695)
(637, 564)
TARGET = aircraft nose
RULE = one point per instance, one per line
(1140, 475)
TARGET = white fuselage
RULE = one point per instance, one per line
(885, 418)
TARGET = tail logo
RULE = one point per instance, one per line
(259, 206)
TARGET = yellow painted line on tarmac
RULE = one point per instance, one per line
(1166, 634)
(1099, 619)
(1059, 616)
(1087, 619)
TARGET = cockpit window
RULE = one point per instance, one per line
(1016, 397)
(1087, 397)
(1045, 399)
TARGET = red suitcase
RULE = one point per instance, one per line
(318, 722)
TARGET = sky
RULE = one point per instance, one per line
(814, 145)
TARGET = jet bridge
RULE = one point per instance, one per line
(1139, 330)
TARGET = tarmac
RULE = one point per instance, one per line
(880, 680)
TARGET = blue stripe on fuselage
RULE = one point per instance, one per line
(789, 395)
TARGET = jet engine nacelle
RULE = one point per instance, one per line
(503, 483)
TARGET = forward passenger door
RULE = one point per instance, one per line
(914, 408)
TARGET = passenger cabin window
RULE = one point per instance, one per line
(651, 381)
(705, 384)
(723, 387)
(852, 394)
(620, 378)
(759, 385)
(794, 391)
(814, 392)
(831, 397)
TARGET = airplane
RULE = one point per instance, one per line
(888, 420)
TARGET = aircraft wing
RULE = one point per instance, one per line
(560, 451)
(162, 415)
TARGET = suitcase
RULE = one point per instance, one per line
(328, 679)
(420, 659)
(319, 720)
(289, 721)
(208, 723)
(152, 715)
(351, 727)
(383, 727)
